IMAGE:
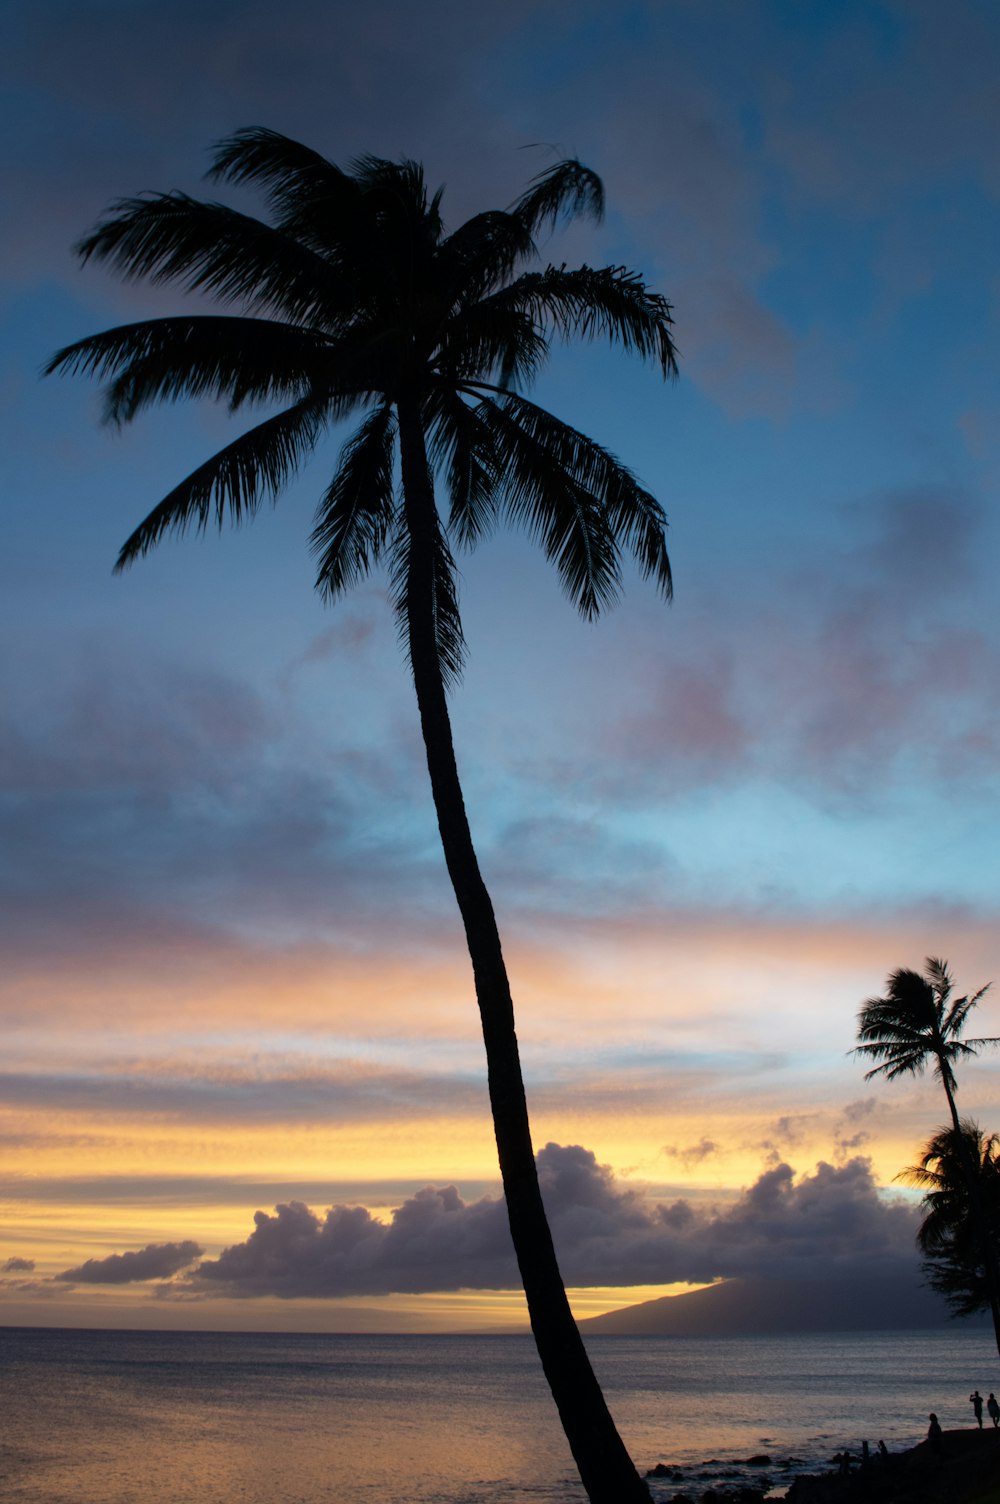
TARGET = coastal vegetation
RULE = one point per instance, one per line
(353, 300)
(955, 1264)
(915, 1024)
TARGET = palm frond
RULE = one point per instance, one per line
(481, 254)
(959, 1173)
(939, 977)
(461, 444)
(487, 342)
(441, 581)
(395, 195)
(171, 237)
(361, 301)
(357, 510)
(893, 1063)
(897, 1035)
(959, 1012)
(909, 1026)
(319, 204)
(565, 191)
(547, 496)
(609, 301)
(630, 513)
(239, 359)
(294, 176)
(234, 482)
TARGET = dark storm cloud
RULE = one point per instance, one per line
(155, 1261)
(17, 1266)
(832, 1221)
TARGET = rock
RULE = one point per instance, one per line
(666, 1470)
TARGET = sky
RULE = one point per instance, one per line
(242, 1083)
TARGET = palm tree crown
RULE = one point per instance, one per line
(354, 298)
(915, 1023)
(955, 1256)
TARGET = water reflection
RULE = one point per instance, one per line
(174, 1418)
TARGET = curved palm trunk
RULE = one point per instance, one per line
(607, 1471)
(976, 1208)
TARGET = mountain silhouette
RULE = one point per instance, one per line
(761, 1306)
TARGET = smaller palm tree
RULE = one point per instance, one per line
(915, 1024)
(955, 1257)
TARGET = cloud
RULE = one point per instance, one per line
(832, 1221)
(692, 1154)
(152, 727)
(737, 349)
(155, 1261)
(352, 633)
(881, 131)
(139, 791)
(839, 682)
(852, 1116)
(17, 1266)
(216, 1090)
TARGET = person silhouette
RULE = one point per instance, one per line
(976, 1401)
(993, 1408)
(935, 1436)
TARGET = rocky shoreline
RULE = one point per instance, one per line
(966, 1470)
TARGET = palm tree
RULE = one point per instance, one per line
(954, 1259)
(353, 299)
(912, 1025)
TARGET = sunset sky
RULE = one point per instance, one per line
(233, 977)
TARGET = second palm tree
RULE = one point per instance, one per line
(916, 1023)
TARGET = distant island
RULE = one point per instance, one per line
(760, 1307)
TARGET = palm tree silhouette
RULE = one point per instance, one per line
(947, 1237)
(353, 299)
(914, 1024)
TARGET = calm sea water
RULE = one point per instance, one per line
(196, 1418)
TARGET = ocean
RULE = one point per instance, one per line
(94, 1417)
